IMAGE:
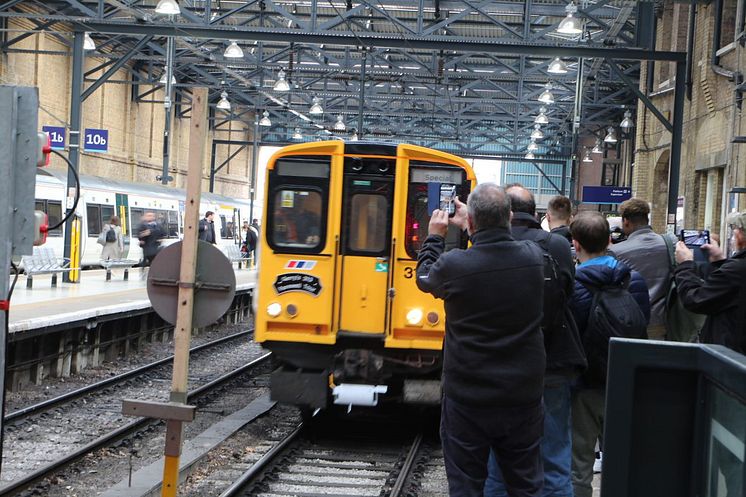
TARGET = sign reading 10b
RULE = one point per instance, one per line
(96, 140)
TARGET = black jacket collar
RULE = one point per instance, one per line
(491, 235)
(523, 219)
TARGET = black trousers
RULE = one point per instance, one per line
(514, 433)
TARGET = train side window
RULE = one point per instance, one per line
(93, 215)
(173, 224)
(106, 212)
(297, 219)
(135, 219)
(368, 221)
(54, 212)
(226, 227)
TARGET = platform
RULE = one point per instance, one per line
(94, 297)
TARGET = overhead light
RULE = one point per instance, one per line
(316, 108)
(224, 104)
(587, 157)
(597, 147)
(168, 7)
(281, 84)
(627, 123)
(233, 51)
(557, 66)
(547, 97)
(297, 135)
(570, 25)
(537, 134)
(354, 136)
(542, 117)
(532, 147)
(88, 43)
(610, 135)
(340, 124)
(264, 121)
(530, 155)
(163, 78)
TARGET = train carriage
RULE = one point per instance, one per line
(337, 301)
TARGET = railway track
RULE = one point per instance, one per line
(77, 450)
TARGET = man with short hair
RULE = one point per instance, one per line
(493, 354)
(591, 237)
(207, 228)
(559, 213)
(565, 357)
(646, 252)
(721, 295)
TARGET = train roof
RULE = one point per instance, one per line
(98, 182)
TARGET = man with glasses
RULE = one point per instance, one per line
(720, 294)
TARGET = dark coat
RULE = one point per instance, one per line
(563, 231)
(721, 295)
(207, 230)
(493, 351)
(150, 243)
(565, 356)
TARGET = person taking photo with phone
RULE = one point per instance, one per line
(719, 291)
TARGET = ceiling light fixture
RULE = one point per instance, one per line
(354, 136)
(587, 157)
(547, 97)
(264, 121)
(610, 135)
(530, 156)
(233, 51)
(168, 7)
(537, 134)
(627, 123)
(88, 43)
(297, 135)
(542, 117)
(570, 25)
(340, 124)
(163, 78)
(316, 108)
(557, 66)
(597, 147)
(532, 147)
(224, 104)
(281, 84)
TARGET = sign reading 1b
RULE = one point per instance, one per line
(96, 140)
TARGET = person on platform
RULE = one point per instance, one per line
(149, 233)
(493, 356)
(113, 240)
(207, 228)
(559, 214)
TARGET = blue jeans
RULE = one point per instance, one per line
(556, 447)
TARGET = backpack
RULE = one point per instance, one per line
(682, 325)
(555, 299)
(614, 313)
(111, 235)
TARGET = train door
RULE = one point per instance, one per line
(366, 244)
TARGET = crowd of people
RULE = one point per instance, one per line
(529, 315)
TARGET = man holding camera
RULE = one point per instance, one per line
(493, 353)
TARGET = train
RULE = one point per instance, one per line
(101, 198)
(337, 301)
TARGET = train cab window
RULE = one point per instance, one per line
(297, 219)
(368, 223)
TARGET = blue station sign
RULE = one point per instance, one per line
(96, 140)
(606, 194)
(56, 136)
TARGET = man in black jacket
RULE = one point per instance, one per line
(207, 228)
(564, 350)
(721, 295)
(493, 353)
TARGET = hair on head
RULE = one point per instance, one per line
(489, 207)
(591, 230)
(209, 213)
(560, 207)
(521, 199)
(635, 210)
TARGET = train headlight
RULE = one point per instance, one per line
(274, 309)
(414, 317)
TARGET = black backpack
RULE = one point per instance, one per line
(111, 235)
(555, 299)
(614, 313)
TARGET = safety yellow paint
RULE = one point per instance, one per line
(170, 476)
(75, 250)
(363, 296)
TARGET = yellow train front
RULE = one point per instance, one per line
(337, 299)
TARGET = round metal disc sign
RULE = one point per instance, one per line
(214, 288)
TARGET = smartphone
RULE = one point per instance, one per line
(447, 196)
(694, 239)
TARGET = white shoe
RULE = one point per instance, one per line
(597, 465)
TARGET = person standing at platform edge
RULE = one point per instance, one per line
(111, 235)
(207, 228)
(597, 272)
(493, 352)
(564, 350)
(149, 233)
(721, 294)
(646, 252)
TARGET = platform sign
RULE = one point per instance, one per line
(606, 194)
(56, 136)
(96, 140)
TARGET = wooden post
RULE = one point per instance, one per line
(183, 329)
